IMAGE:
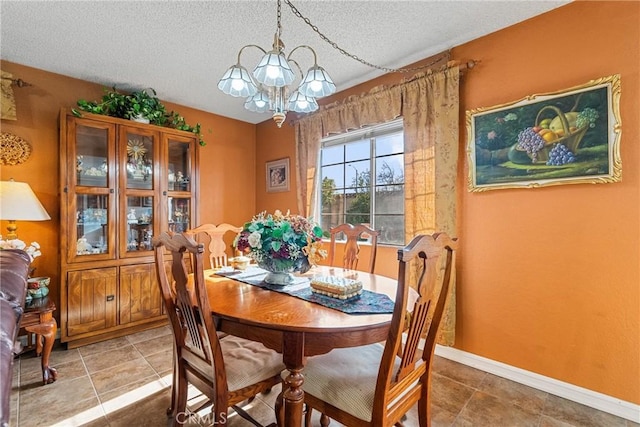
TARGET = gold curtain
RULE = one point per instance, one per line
(430, 113)
(428, 103)
(308, 135)
(8, 103)
(380, 105)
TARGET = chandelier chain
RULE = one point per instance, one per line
(279, 20)
(333, 44)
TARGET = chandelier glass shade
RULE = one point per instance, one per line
(301, 103)
(274, 70)
(258, 103)
(271, 87)
(317, 83)
(237, 82)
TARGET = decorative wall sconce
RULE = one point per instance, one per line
(13, 149)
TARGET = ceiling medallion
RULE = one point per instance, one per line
(13, 149)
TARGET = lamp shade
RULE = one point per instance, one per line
(301, 104)
(237, 82)
(19, 202)
(258, 103)
(274, 70)
(317, 83)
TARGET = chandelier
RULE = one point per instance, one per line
(271, 86)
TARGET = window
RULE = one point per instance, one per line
(362, 180)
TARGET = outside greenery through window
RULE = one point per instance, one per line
(362, 180)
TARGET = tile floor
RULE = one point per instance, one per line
(126, 382)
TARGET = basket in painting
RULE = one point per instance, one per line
(570, 137)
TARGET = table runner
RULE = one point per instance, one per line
(368, 303)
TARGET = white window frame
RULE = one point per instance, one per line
(370, 133)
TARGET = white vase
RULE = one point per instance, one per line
(140, 119)
(280, 272)
(279, 278)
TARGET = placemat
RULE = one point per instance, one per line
(367, 303)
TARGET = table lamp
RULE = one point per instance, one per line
(19, 202)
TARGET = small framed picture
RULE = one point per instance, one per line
(278, 175)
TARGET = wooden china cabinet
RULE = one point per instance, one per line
(122, 182)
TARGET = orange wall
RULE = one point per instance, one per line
(548, 278)
(227, 163)
(273, 143)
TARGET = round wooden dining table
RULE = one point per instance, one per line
(294, 327)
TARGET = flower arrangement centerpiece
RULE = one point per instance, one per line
(281, 244)
(33, 250)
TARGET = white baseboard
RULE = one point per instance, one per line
(599, 401)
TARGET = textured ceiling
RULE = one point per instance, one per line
(182, 48)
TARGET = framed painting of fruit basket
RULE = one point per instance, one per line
(566, 137)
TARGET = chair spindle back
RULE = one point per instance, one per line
(217, 247)
(434, 258)
(195, 334)
(351, 247)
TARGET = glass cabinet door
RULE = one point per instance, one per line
(139, 153)
(92, 224)
(179, 214)
(90, 207)
(139, 223)
(180, 183)
(139, 161)
(92, 156)
(179, 165)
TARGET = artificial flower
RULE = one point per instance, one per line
(281, 242)
(33, 250)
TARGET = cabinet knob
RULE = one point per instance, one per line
(111, 190)
(164, 193)
(110, 297)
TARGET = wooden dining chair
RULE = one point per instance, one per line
(227, 371)
(353, 233)
(375, 385)
(217, 247)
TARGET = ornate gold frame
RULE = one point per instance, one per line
(504, 168)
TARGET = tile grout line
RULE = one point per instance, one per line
(95, 391)
(489, 392)
(542, 411)
(125, 385)
(149, 363)
(145, 357)
(474, 388)
(100, 400)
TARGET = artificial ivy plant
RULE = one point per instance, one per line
(137, 104)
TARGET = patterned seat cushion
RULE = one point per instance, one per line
(251, 362)
(345, 378)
